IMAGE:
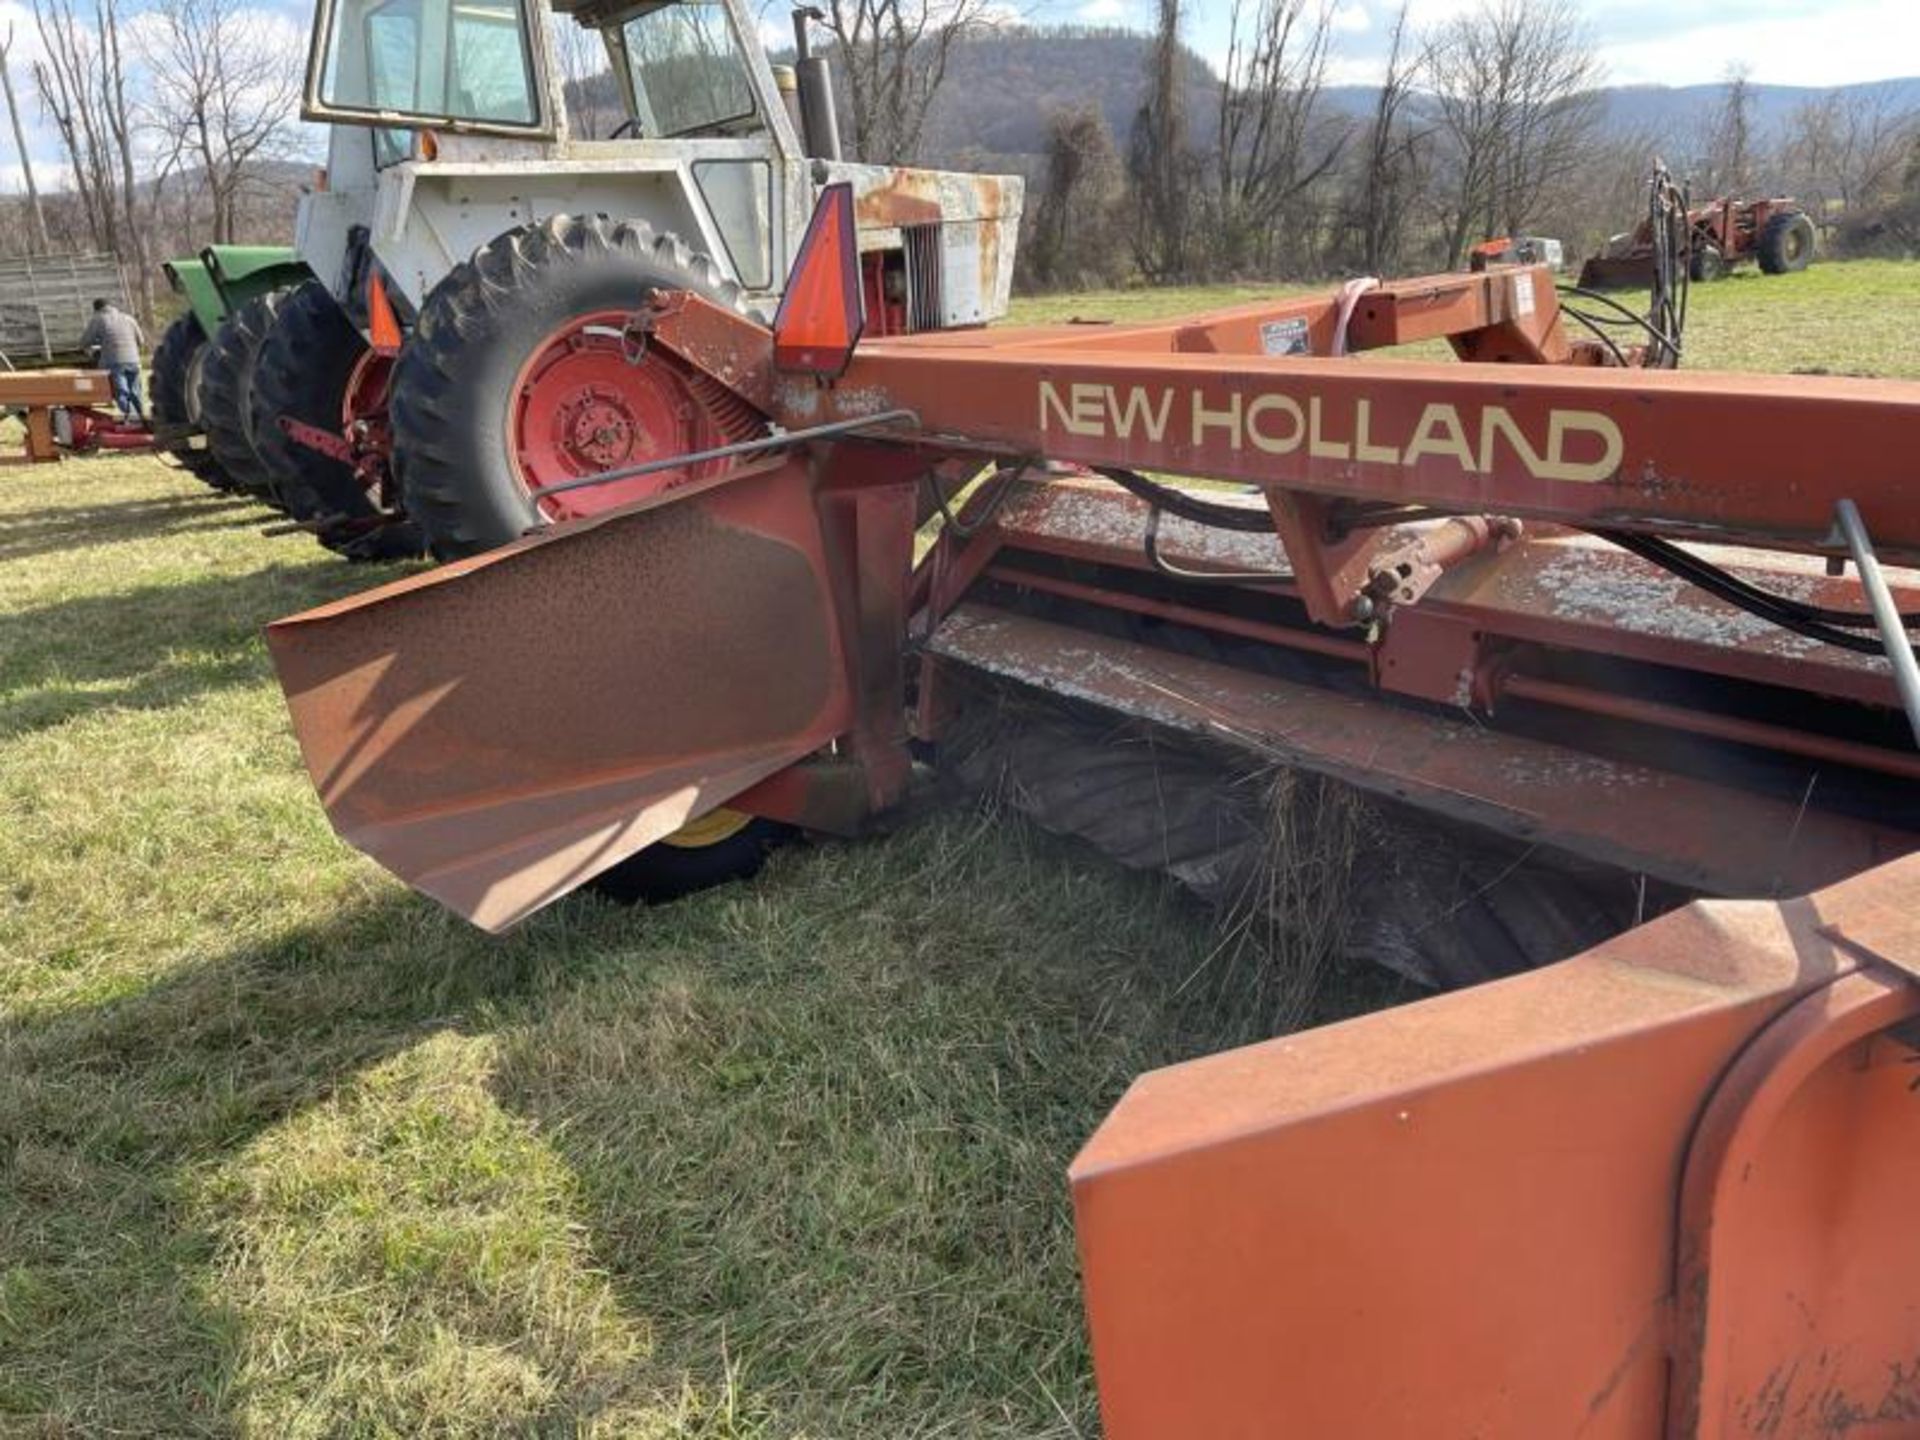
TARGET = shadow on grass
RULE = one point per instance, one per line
(110, 1114)
(156, 645)
(807, 1138)
(825, 1147)
(84, 527)
(813, 1134)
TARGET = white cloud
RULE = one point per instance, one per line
(1787, 42)
(1351, 18)
(1102, 12)
(16, 21)
(1837, 42)
(270, 27)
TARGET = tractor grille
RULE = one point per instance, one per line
(924, 308)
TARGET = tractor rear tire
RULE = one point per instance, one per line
(226, 394)
(178, 364)
(714, 850)
(1786, 244)
(485, 342)
(305, 365)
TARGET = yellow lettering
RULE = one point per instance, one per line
(1440, 433)
(1139, 411)
(1276, 444)
(1588, 422)
(1363, 446)
(1496, 421)
(1227, 419)
(1050, 403)
(1089, 407)
(1317, 446)
(1278, 424)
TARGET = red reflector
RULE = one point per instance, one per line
(820, 317)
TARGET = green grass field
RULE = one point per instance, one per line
(1858, 317)
(285, 1150)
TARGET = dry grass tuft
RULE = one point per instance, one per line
(1286, 933)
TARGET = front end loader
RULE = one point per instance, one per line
(1620, 654)
(1721, 236)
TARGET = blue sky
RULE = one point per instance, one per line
(1671, 42)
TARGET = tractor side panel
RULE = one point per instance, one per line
(325, 221)
(431, 217)
(970, 225)
(246, 272)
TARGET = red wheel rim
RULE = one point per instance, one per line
(363, 420)
(589, 401)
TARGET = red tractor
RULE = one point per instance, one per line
(1721, 234)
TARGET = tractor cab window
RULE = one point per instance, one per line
(444, 61)
(689, 72)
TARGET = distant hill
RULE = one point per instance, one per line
(1001, 87)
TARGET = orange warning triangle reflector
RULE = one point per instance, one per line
(820, 318)
(383, 326)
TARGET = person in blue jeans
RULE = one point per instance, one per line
(117, 339)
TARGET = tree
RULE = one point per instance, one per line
(1075, 241)
(20, 141)
(892, 58)
(83, 84)
(593, 100)
(1380, 188)
(1267, 152)
(1514, 91)
(228, 86)
(1846, 151)
(1158, 162)
(1729, 158)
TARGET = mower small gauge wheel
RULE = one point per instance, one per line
(721, 846)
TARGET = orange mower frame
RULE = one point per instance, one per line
(1657, 1189)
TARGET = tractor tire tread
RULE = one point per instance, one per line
(226, 389)
(482, 308)
(304, 366)
(1776, 253)
(172, 366)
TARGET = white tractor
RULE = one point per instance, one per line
(469, 334)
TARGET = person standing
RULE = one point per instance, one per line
(117, 338)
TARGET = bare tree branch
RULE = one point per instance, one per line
(226, 87)
(1514, 86)
(20, 141)
(892, 58)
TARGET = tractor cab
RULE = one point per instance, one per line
(455, 191)
(683, 72)
(475, 66)
(680, 68)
